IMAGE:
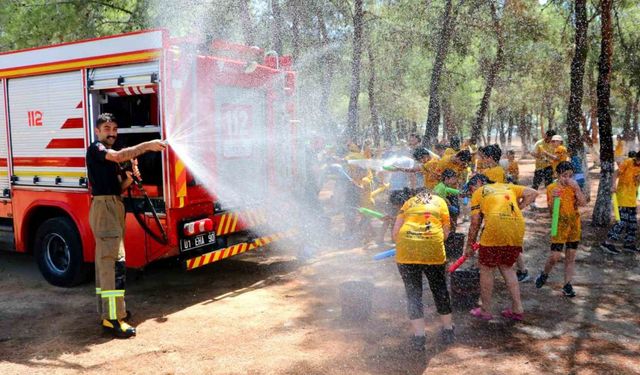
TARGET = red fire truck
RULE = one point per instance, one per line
(152, 83)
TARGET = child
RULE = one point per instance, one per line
(625, 185)
(449, 181)
(568, 236)
(560, 152)
(490, 157)
(513, 171)
(618, 153)
(367, 200)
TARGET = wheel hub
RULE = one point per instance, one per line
(57, 254)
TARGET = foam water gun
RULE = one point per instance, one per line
(443, 190)
(462, 259)
(385, 254)
(371, 213)
(339, 168)
(616, 211)
(555, 217)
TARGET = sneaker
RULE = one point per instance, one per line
(448, 336)
(631, 249)
(568, 290)
(609, 248)
(523, 276)
(417, 343)
(118, 328)
(541, 280)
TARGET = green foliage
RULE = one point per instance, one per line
(533, 81)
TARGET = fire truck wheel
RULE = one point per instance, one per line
(58, 250)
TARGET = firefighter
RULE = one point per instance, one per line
(107, 216)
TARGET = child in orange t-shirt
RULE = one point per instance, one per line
(559, 151)
(513, 171)
(569, 232)
(625, 188)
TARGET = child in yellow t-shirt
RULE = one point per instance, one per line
(368, 194)
(628, 178)
(569, 232)
(513, 171)
(559, 151)
(618, 152)
(490, 157)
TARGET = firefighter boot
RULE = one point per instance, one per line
(118, 328)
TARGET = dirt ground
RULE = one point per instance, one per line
(267, 313)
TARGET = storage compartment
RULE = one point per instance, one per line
(136, 111)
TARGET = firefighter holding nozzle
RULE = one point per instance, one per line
(107, 219)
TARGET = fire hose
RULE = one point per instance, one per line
(159, 238)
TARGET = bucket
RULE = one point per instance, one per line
(355, 299)
(454, 246)
(465, 288)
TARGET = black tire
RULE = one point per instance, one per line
(58, 250)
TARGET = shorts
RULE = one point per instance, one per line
(542, 175)
(569, 230)
(494, 256)
(560, 246)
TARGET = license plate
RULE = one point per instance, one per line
(198, 241)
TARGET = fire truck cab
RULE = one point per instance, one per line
(155, 86)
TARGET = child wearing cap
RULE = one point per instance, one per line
(569, 232)
(559, 151)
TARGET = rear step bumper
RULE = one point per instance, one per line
(214, 256)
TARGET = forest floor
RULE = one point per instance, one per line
(268, 313)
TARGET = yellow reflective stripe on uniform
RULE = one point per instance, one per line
(98, 290)
(112, 295)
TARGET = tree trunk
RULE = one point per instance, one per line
(510, 130)
(447, 116)
(635, 116)
(433, 114)
(602, 209)
(327, 72)
(277, 26)
(387, 131)
(491, 78)
(352, 120)
(502, 130)
(247, 23)
(489, 127)
(626, 125)
(574, 110)
(522, 131)
(593, 112)
(375, 119)
(295, 31)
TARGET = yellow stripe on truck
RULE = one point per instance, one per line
(181, 182)
(230, 251)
